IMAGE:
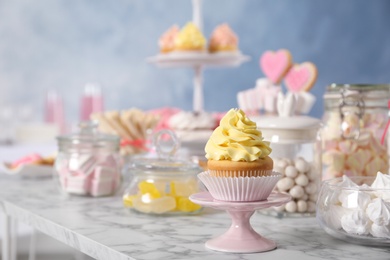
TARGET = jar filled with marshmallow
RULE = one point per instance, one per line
(161, 183)
(296, 154)
(88, 162)
(354, 132)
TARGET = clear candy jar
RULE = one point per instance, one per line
(163, 184)
(88, 163)
(354, 134)
(296, 154)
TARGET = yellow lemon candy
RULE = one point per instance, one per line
(163, 205)
(128, 200)
(185, 205)
(184, 188)
(149, 189)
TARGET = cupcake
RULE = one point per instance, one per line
(190, 38)
(167, 40)
(239, 166)
(223, 39)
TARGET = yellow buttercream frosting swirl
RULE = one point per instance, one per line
(236, 139)
(190, 37)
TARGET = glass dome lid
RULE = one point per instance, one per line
(89, 135)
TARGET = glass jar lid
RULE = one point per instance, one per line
(367, 95)
(89, 136)
(166, 144)
(288, 129)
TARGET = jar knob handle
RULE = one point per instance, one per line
(166, 143)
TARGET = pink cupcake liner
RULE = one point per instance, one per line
(240, 188)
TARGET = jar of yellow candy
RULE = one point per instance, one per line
(162, 184)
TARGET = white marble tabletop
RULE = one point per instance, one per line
(101, 228)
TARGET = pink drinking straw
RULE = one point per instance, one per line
(91, 101)
(387, 126)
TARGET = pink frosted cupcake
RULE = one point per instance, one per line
(239, 168)
(167, 40)
(223, 39)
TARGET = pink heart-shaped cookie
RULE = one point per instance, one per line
(275, 64)
(301, 77)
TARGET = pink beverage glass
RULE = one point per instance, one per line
(91, 101)
(54, 110)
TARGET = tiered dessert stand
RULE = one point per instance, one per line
(198, 60)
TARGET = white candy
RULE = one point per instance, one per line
(291, 171)
(285, 184)
(313, 174)
(305, 197)
(291, 206)
(301, 165)
(297, 192)
(281, 164)
(313, 197)
(302, 206)
(311, 206)
(302, 180)
(311, 188)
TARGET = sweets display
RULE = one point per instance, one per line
(301, 180)
(93, 175)
(239, 168)
(162, 185)
(162, 197)
(31, 159)
(131, 126)
(190, 38)
(354, 133)
(267, 94)
(88, 162)
(167, 40)
(359, 206)
(223, 39)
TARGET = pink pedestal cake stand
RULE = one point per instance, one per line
(240, 238)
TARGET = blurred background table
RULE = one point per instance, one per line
(103, 229)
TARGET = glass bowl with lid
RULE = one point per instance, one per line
(162, 184)
(88, 162)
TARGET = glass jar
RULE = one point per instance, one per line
(163, 184)
(296, 154)
(88, 163)
(354, 132)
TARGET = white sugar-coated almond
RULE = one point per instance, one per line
(302, 180)
(285, 184)
(311, 206)
(311, 188)
(313, 197)
(301, 206)
(281, 163)
(301, 165)
(297, 191)
(291, 206)
(291, 171)
(305, 197)
(312, 174)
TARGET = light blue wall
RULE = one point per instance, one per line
(63, 44)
